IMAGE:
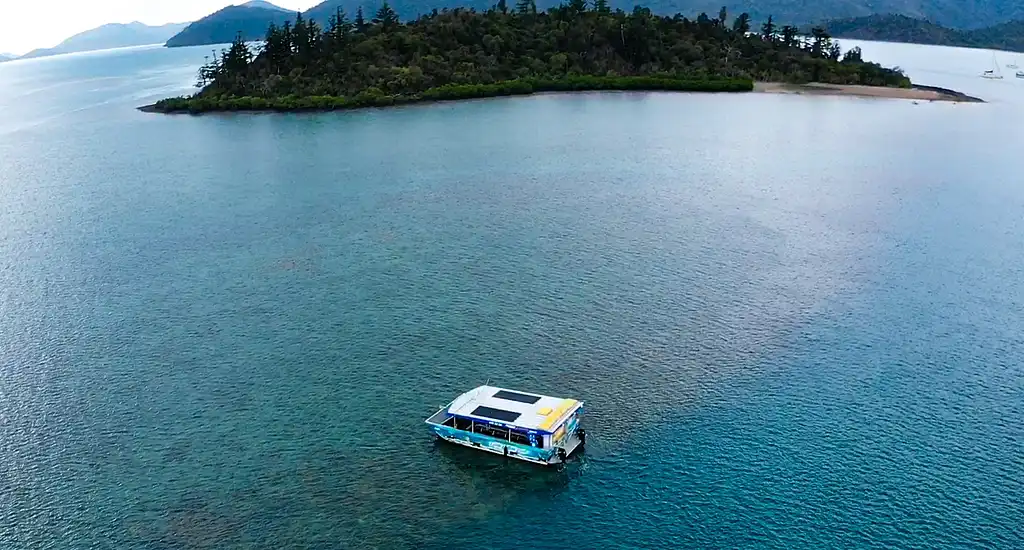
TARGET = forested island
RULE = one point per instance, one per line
(900, 28)
(511, 50)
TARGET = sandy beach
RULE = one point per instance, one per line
(921, 93)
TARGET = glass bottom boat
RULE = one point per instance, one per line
(527, 426)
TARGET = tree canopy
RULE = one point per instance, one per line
(515, 50)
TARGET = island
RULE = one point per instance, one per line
(900, 28)
(250, 20)
(513, 50)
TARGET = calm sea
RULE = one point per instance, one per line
(797, 322)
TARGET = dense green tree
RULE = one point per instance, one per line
(300, 34)
(768, 30)
(742, 23)
(820, 42)
(835, 51)
(386, 17)
(789, 34)
(577, 7)
(277, 47)
(360, 21)
(723, 16)
(853, 55)
(526, 7)
(338, 27)
(601, 6)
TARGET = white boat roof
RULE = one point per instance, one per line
(530, 411)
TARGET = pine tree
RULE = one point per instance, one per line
(821, 42)
(578, 6)
(835, 51)
(601, 6)
(386, 17)
(360, 22)
(722, 16)
(768, 30)
(288, 36)
(502, 6)
(523, 7)
(300, 35)
(337, 27)
(789, 33)
(234, 66)
(742, 24)
(277, 46)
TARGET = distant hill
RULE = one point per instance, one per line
(7, 57)
(265, 5)
(963, 14)
(900, 28)
(407, 9)
(253, 18)
(220, 27)
(954, 13)
(113, 35)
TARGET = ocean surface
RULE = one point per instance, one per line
(797, 322)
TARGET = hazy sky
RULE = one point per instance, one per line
(26, 25)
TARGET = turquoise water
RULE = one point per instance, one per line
(796, 321)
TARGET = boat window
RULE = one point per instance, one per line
(491, 431)
(497, 414)
(520, 438)
(462, 423)
(516, 396)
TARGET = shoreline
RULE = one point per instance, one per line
(915, 92)
(449, 92)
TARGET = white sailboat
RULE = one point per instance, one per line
(993, 73)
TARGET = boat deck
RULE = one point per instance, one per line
(572, 443)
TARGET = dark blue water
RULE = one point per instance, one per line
(796, 321)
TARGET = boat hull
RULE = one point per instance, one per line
(544, 457)
(495, 446)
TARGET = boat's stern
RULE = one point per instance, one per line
(571, 444)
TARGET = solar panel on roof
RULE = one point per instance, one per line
(515, 396)
(497, 414)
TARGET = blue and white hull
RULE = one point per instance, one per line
(496, 446)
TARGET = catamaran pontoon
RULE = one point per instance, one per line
(536, 428)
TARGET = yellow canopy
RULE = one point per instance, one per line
(553, 416)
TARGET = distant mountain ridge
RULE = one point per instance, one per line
(962, 14)
(253, 18)
(900, 28)
(263, 4)
(111, 35)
